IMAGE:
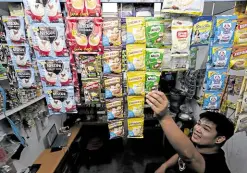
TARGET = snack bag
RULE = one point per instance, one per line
(221, 55)
(154, 58)
(49, 40)
(43, 11)
(113, 86)
(135, 127)
(136, 57)
(168, 32)
(216, 79)
(240, 36)
(239, 58)
(55, 72)
(136, 83)
(112, 61)
(224, 27)
(192, 7)
(201, 30)
(84, 34)
(92, 90)
(116, 129)
(135, 30)
(181, 35)
(124, 31)
(152, 81)
(154, 32)
(114, 108)
(241, 123)
(60, 100)
(20, 56)
(212, 100)
(111, 32)
(15, 30)
(88, 65)
(135, 106)
(25, 78)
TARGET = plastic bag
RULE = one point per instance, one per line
(181, 35)
(112, 61)
(221, 55)
(92, 90)
(136, 83)
(135, 127)
(60, 100)
(201, 30)
(239, 58)
(135, 30)
(49, 40)
(240, 36)
(113, 86)
(191, 7)
(154, 58)
(152, 81)
(20, 56)
(85, 34)
(55, 72)
(111, 32)
(212, 100)
(116, 129)
(135, 106)
(224, 27)
(26, 78)
(216, 79)
(43, 11)
(15, 30)
(136, 57)
(114, 108)
(154, 32)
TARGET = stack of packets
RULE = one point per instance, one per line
(220, 51)
(19, 51)
(48, 40)
(84, 36)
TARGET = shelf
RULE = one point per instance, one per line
(17, 109)
(131, 1)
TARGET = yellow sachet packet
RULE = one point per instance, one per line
(136, 57)
(240, 36)
(136, 83)
(135, 106)
(135, 30)
(135, 127)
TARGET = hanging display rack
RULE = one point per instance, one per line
(131, 1)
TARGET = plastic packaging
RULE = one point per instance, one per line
(111, 32)
(136, 83)
(55, 72)
(221, 55)
(114, 108)
(135, 127)
(135, 30)
(201, 30)
(49, 40)
(84, 34)
(135, 106)
(20, 56)
(60, 100)
(239, 58)
(240, 36)
(212, 100)
(92, 90)
(26, 78)
(216, 79)
(112, 61)
(154, 58)
(136, 57)
(113, 86)
(152, 81)
(224, 27)
(116, 129)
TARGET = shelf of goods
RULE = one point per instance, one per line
(131, 1)
(17, 109)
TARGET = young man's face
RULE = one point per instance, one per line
(204, 133)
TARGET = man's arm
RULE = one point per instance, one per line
(168, 164)
(180, 142)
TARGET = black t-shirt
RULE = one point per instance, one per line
(215, 163)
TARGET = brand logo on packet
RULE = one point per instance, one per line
(242, 26)
(24, 74)
(151, 78)
(238, 53)
(92, 85)
(112, 81)
(110, 24)
(13, 24)
(182, 34)
(134, 52)
(155, 29)
(19, 50)
(113, 104)
(135, 102)
(135, 22)
(59, 94)
(155, 55)
(135, 79)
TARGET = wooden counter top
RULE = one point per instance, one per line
(50, 160)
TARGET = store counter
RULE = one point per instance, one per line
(63, 160)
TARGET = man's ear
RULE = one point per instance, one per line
(220, 139)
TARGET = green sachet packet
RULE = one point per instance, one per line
(154, 58)
(152, 81)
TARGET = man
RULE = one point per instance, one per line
(209, 135)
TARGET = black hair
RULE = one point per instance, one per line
(224, 126)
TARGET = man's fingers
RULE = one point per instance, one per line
(152, 105)
(161, 94)
(157, 97)
(153, 100)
